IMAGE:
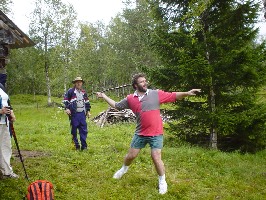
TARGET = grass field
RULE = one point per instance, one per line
(192, 172)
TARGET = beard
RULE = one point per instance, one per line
(141, 89)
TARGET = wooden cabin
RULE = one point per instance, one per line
(11, 37)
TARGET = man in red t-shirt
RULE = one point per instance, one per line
(145, 103)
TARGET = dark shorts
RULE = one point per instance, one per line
(139, 141)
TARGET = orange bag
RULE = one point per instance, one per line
(40, 190)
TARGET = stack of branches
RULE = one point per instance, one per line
(112, 116)
(166, 116)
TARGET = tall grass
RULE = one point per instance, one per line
(192, 172)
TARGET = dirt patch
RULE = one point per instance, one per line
(30, 154)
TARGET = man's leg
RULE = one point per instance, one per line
(75, 138)
(74, 123)
(156, 144)
(131, 155)
(157, 160)
(83, 132)
(159, 166)
(6, 153)
(138, 142)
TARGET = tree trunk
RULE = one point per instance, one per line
(137, 3)
(264, 5)
(65, 74)
(34, 88)
(213, 133)
(66, 65)
(46, 68)
(212, 103)
(65, 79)
(48, 85)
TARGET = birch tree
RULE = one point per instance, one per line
(45, 29)
(68, 40)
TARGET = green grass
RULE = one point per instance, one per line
(192, 172)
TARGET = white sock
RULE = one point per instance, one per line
(162, 178)
(125, 168)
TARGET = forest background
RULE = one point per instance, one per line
(212, 45)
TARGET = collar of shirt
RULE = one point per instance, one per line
(77, 91)
(140, 97)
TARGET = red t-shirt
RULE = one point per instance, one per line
(147, 110)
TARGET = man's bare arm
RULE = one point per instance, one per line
(110, 101)
(181, 95)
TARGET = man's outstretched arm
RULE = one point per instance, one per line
(110, 101)
(181, 95)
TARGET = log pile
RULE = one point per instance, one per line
(113, 116)
(165, 116)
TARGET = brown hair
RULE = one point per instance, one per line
(135, 78)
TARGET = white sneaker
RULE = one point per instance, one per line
(162, 187)
(119, 174)
(12, 175)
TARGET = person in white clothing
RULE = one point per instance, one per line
(5, 139)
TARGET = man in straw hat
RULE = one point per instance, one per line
(77, 107)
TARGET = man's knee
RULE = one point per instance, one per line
(156, 155)
(74, 133)
(83, 129)
(132, 155)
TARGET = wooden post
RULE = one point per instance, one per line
(92, 91)
(123, 91)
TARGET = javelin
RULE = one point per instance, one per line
(113, 88)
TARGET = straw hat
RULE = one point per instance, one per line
(77, 79)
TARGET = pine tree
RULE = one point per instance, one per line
(212, 45)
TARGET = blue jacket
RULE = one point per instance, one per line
(70, 100)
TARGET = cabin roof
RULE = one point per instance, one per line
(21, 40)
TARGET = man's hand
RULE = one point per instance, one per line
(5, 110)
(99, 94)
(110, 101)
(88, 114)
(193, 92)
(68, 112)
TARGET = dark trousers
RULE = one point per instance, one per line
(78, 121)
